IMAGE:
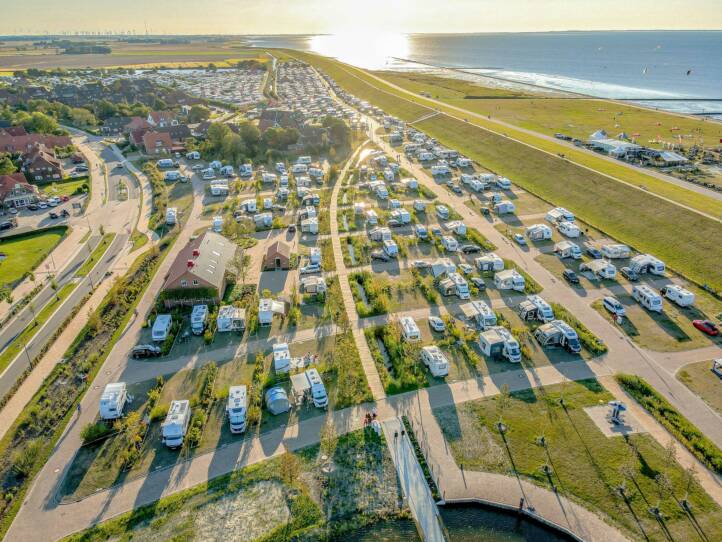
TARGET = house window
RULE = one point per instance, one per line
(184, 283)
(195, 282)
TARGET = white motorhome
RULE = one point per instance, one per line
(681, 296)
(647, 297)
(172, 175)
(113, 400)
(442, 212)
(164, 163)
(570, 229)
(217, 224)
(509, 279)
(558, 333)
(463, 162)
(208, 174)
(454, 284)
(171, 216)
(612, 251)
(559, 214)
(568, 249)
(601, 268)
(236, 408)
(175, 425)
(409, 330)
(250, 205)
(230, 318)
(391, 248)
(318, 390)
(646, 263)
(161, 327)
(479, 313)
(450, 243)
(281, 358)
(503, 183)
(497, 341)
(193, 155)
(199, 319)
(544, 309)
(435, 360)
(504, 207)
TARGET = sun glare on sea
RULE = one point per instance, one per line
(369, 50)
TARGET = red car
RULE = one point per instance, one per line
(64, 198)
(705, 326)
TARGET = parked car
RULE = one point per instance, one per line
(485, 211)
(53, 215)
(456, 189)
(470, 249)
(594, 252)
(629, 274)
(33, 207)
(570, 276)
(706, 326)
(436, 230)
(613, 305)
(437, 324)
(7, 225)
(310, 268)
(145, 351)
(13, 211)
(421, 264)
(379, 255)
(393, 223)
(478, 282)
(291, 228)
(197, 167)
(466, 269)
(519, 239)
(64, 198)
(42, 205)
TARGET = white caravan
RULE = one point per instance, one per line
(113, 400)
(647, 297)
(558, 333)
(175, 425)
(161, 327)
(497, 341)
(409, 330)
(613, 251)
(236, 408)
(646, 263)
(681, 296)
(199, 319)
(435, 360)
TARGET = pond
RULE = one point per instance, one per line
(465, 523)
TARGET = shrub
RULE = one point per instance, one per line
(159, 412)
(23, 459)
(95, 431)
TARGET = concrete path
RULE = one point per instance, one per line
(413, 483)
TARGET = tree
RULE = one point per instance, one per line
(198, 113)
(82, 117)
(40, 123)
(6, 165)
(232, 148)
(54, 287)
(105, 109)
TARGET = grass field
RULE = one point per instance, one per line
(26, 251)
(699, 378)
(66, 187)
(575, 117)
(584, 465)
(684, 239)
(16, 346)
(97, 253)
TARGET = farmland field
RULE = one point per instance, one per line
(683, 238)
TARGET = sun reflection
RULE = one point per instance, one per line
(368, 50)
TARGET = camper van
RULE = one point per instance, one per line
(208, 174)
(409, 330)
(479, 314)
(558, 333)
(613, 251)
(570, 229)
(171, 216)
(497, 341)
(318, 390)
(236, 408)
(161, 327)
(509, 279)
(172, 175)
(681, 296)
(217, 224)
(647, 297)
(503, 183)
(559, 214)
(544, 309)
(164, 163)
(435, 360)
(175, 425)
(113, 400)
(193, 155)
(199, 319)
(646, 263)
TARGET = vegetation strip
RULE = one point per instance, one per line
(97, 253)
(693, 439)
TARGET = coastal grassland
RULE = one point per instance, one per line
(684, 239)
(319, 492)
(26, 251)
(699, 378)
(576, 117)
(582, 463)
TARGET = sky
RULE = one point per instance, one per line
(339, 16)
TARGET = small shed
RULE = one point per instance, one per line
(278, 256)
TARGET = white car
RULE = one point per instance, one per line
(613, 305)
(310, 268)
(42, 205)
(436, 323)
(466, 269)
(197, 167)
(53, 203)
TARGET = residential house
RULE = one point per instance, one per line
(41, 165)
(157, 143)
(161, 119)
(115, 126)
(16, 192)
(198, 273)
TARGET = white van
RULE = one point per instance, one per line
(236, 408)
(161, 327)
(318, 390)
(647, 297)
(199, 318)
(217, 224)
(175, 425)
(113, 401)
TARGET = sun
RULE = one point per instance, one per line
(367, 49)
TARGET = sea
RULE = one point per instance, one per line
(679, 71)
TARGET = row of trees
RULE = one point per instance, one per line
(248, 143)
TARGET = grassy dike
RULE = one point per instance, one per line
(686, 240)
(28, 443)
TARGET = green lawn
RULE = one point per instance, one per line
(26, 251)
(138, 239)
(97, 253)
(699, 378)
(66, 187)
(323, 490)
(584, 465)
(16, 346)
(682, 238)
